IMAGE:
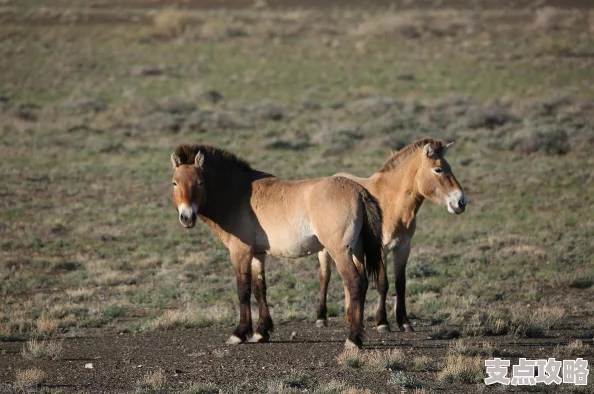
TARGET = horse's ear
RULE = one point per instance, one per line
(446, 148)
(175, 160)
(199, 160)
(428, 150)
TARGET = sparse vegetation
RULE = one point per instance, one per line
(462, 369)
(152, 383)
(34, 348)
(29, 378)
(201, 388)
(392, 359)
(573, 349)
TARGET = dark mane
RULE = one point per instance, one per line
(398, 157)
(213, 157)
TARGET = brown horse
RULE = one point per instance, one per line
(411, 175)
(254, 214)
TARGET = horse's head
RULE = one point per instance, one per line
(435, 180)
(188, 188)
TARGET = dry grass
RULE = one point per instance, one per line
(332, 387)
(170, 23)
(47, 326)
(392, 359)
(188, 318)
(352, 390)
(551, 18)
(413, 25)
(29, 378)
(80, 294)
(572, 349)
(423, 363)
(152, 382)
(466, 348)
(34, 349)
(351, 358)
(534, 325)
(462, 369)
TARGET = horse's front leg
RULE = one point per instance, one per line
(400, 256)
(381, 316)
(265, 325)
(241, 257)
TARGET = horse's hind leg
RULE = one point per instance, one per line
(400, 256)
(241, 257)
(324, 273)
(259, 289)
(352, 271)
(381, 316)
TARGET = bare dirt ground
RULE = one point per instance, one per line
(201, 356)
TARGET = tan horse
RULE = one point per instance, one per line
(255, 214)
(415, 173)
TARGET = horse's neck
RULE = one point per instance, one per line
(222, 195)
(398, 196)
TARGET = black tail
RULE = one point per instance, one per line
(372, 235)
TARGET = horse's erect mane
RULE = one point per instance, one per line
(213, 157)
(398, 157)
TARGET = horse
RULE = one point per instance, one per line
(255, 214)
(409, 177)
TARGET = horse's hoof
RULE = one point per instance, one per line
(383, 329)
(408, 328)
(234, 340)
(321, 323)
(350, 345)
(259, 338)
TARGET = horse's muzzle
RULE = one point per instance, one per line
(456, 202)
(187, 219)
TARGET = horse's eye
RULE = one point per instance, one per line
(174, 184)
(438, 170)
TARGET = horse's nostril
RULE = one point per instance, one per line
(461, 202)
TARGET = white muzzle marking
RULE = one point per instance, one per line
(455, 201)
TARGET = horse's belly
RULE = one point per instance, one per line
(297, 242)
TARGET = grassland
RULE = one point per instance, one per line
(93, 101)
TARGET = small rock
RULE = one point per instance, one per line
(293, 335)
(89, 365)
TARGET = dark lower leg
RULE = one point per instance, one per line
(357, 299)
(244, 329)
(401, 316)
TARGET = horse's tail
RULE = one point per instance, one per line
(372, 235)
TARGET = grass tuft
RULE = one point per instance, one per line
(34, 349)
(29, 378)
(152, 383)
(462, 369)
